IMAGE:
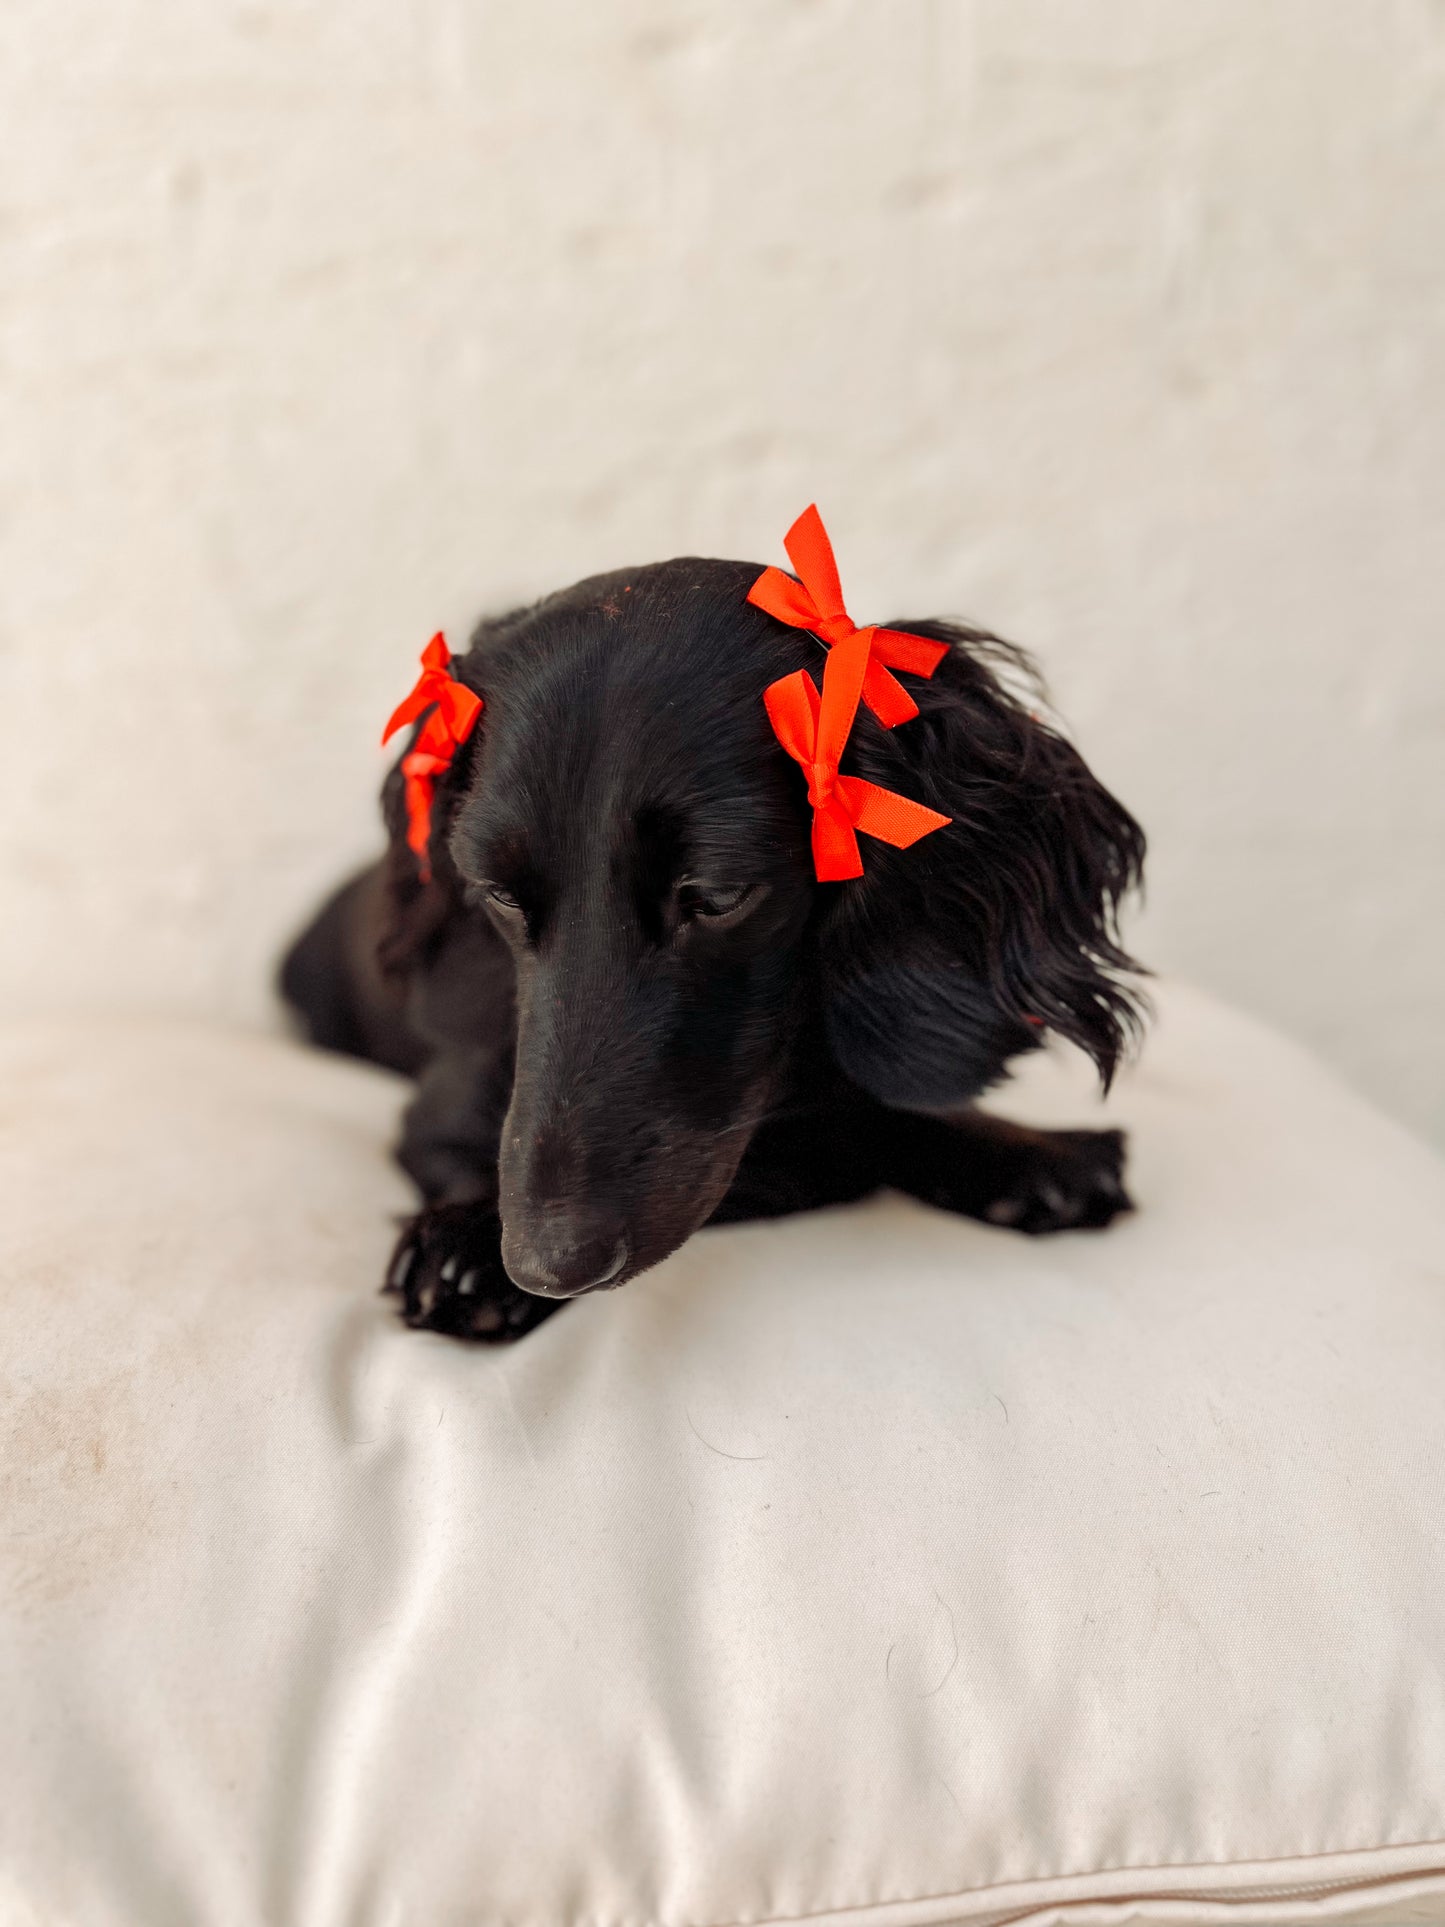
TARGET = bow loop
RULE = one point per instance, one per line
(815, 602)
(454, 711)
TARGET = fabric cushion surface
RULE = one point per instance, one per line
(872, 1567)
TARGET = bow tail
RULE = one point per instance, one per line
(884, 814)
(919, 655)
(419, 789)
(889, 701)
(420, 769)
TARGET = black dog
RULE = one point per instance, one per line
(631, 1008)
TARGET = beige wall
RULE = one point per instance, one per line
(1115, 324)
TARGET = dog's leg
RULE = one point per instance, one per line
(975, 1164)
(1008, 1174)
(447, 1267)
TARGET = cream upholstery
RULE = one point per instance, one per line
(871, 1567)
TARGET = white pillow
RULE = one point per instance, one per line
(869, 1567)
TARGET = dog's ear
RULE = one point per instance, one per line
(948, 958)
(419, 906)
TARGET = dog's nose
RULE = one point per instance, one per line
(552, 1266)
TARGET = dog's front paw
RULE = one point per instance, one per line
(1066, 1181)
(447, 1271)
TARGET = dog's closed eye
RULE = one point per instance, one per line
(504, 906)
(719, 904)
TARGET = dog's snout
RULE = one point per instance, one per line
(553, 1264)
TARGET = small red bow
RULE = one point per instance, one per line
(451, 721)
(813, 730)
(816, 603)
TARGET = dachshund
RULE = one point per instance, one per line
(630, 1007)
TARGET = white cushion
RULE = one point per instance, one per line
(870, 1567)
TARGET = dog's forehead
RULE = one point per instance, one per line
(630, 620)
(633, 692)
(659, 670)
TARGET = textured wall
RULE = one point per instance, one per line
(1114, 323)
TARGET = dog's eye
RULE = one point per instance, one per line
(716, 903)
(498, 897)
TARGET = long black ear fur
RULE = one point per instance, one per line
(948, 958)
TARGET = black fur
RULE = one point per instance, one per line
(612, 1052)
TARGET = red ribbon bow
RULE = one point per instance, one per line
(813, 730)
(816, 603)
(454, 712)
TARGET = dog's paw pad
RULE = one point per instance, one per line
(1005, 1211)
(1074, 1182)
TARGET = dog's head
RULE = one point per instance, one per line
(626, 823)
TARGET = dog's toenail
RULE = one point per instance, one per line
(467, 1283)
(449, 1271)
(1004, 1211)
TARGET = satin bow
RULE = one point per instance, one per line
(454, 712)
(815, 602)
(813, 729)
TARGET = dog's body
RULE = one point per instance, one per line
(633, 1011)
